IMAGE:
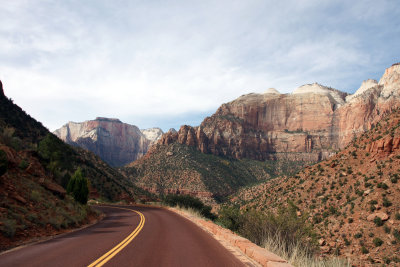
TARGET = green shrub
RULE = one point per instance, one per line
(8, 228)
(230, 217)
(189, 202)
(284, 226)
(377, 242)
(378, 221)
(364, 250)
(386, 202)
(23, 164)
(358, 235)
(383, 186)
(35, 196)
(78, 187)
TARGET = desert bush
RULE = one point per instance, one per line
(187, 201)
(284, 225)
(386, 202)
(377, 242)
(35, 196)
(23, 164)
(383, 186)
(9, 227)
(378, 221)
(387, 229)
(364, 250)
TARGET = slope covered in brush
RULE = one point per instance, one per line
(352, 199)
(177, 168)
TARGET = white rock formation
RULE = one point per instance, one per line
(152, 134)
(316, 88)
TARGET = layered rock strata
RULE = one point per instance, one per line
(115, 142)
(309, 124)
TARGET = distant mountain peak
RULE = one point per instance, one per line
(272, 91)
(115, 142)
(152, 134)
(107, 119)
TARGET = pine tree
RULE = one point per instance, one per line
(78, 187)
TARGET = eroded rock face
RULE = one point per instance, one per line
(152, 134)
(115, 142)
(309, 124)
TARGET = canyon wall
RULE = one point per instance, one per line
(309, 124)
(115, 142)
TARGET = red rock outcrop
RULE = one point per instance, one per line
(309, 124)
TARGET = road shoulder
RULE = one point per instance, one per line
(247, 252)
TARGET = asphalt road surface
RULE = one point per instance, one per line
(128, 236)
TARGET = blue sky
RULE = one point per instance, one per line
(168, 63)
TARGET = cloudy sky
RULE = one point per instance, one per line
(167, 63)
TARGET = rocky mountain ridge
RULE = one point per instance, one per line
(115, 142)
(309, 124)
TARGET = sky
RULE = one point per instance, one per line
(168, 63)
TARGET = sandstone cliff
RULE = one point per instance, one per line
(152, 134)
(115, 142)
(309, 124)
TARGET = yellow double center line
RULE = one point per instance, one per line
(114, 251)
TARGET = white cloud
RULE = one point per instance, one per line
(74, 60)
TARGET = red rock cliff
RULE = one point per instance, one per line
(308, 124)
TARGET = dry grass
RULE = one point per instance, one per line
(193, 212)
(299, 256)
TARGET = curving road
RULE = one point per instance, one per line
(126, 238)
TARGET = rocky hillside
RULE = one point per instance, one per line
(352, 199)
(114, 142)
(181, 169)
(309, 124)
(32, 204)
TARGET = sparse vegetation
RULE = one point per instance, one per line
(377, 242)
(284, 227)
(189, 202)
(378, 221)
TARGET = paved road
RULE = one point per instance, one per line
(161, 238)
